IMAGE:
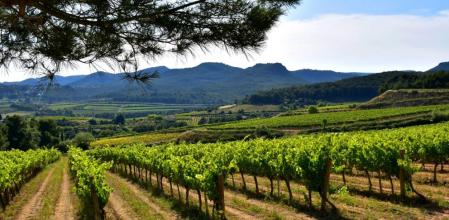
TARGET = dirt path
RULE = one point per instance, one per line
(121, 211)
(141, 196)
(64, 208)
(193, 196)
(35, 203)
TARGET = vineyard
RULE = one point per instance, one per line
(308, 159)
(18, 167)
(293, 121)
(384, 173)
(151, 138)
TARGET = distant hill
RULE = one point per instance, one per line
(408, 97)
(362, 88)
(205, 83)
(441, 67)
(353, 89)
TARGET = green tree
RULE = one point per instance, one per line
(49, 133)
(82, 140)
(20, 133)
(3, 138)
(119, 119)
(312, 110)
(44, 35)
(92, 121)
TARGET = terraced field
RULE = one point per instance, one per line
(302, 120)
(96, 108)
(150, 138)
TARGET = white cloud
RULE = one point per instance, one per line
(356, 42)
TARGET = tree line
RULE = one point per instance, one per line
(17, 132)
(348, 90)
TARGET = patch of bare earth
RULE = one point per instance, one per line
(35, 203)
(119, 209)
(64, 208)
(141, 196)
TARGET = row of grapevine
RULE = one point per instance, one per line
(292, 121)
(17, 167)
(89, 176)
(308, 159)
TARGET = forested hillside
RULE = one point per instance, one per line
(354, 89)
(209, 83)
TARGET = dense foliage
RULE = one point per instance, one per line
(347, 90)
(43, 35)
(17, 132)
(309, 159)
(89, 175)
(437, 80)
(17, 167)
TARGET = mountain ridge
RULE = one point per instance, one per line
(211, 82)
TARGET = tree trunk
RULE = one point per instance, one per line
(414, 190)
(157, 182)
(220, 188)
(310, 198)
(146, 176)
(402, 176)
(2, 202)
(279, 187)
(344, 177)
(199, 199)
(95, 204)
(391, 183)
(187, 197)
(243, 181)
(207, 206)
(171, 187)
(435, 173)
(290, 194)
(162, 183)
(369, 181)
(271, 187)
(179, 193)
(324, 191)
(379, 175)
(257, 184)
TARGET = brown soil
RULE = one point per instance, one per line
(35, 203)
(141, 196)
(64, 208)
(120, 210)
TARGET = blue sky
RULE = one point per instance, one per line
(340, 35)
(313, 8)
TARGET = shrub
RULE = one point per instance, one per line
(313, 110)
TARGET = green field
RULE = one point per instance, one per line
(96, 108)
(150, 138)
(295, 121)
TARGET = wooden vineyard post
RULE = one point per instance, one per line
(402, 176)
(220, 188)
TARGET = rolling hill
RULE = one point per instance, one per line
(205, 83)
(408, 97)
(354, 89)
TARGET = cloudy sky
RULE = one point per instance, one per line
(341, 35)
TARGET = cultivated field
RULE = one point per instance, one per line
(360, 173)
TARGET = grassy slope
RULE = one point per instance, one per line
(408, 97)
(29, 189)
(331, 117)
